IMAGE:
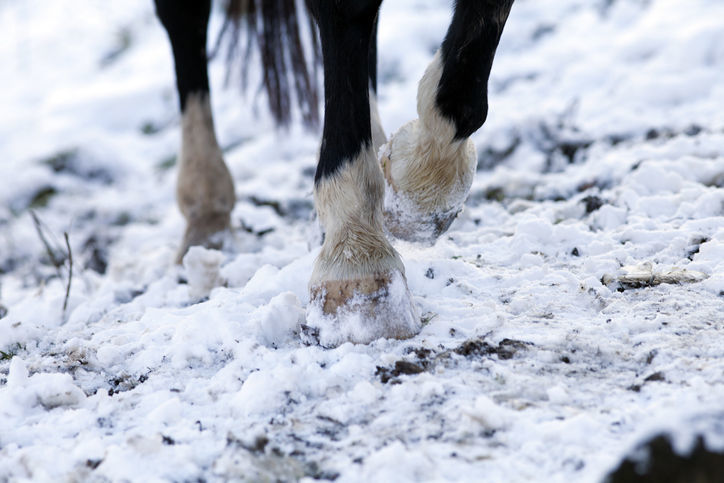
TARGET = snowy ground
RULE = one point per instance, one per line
(549, 348)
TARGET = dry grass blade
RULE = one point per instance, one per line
(70, 271)
(56, 260)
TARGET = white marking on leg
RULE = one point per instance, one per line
(439, 128)
(358, 287)
(204, 183)
(204, 189)
(349, 205)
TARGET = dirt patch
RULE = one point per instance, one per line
(400, 368)
(426, 359)
(476, 348)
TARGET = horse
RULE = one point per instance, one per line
(413, 191)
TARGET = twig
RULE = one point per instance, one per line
(57, 263)
(54, 257)
(70, 270)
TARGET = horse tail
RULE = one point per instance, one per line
(275, 26)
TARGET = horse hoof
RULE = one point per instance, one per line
(360, 311)
(208, 232)
(427, 182)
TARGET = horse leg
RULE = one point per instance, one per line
(358, 286)
(204, 189)
(378, 133)
(430, 162)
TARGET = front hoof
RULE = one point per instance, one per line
(360, 311)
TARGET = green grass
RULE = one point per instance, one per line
(11, 352)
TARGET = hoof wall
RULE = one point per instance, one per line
(360, 311)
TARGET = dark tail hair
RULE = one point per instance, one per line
(274, 25)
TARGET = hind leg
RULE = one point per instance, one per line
(204, 189)
(430, 162)
(358, 290)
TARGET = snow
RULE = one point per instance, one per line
(553, 340)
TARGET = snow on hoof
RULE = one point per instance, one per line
(210, 232)
(428, 180)
(360, 311)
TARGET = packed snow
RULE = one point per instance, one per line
(574, 309)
